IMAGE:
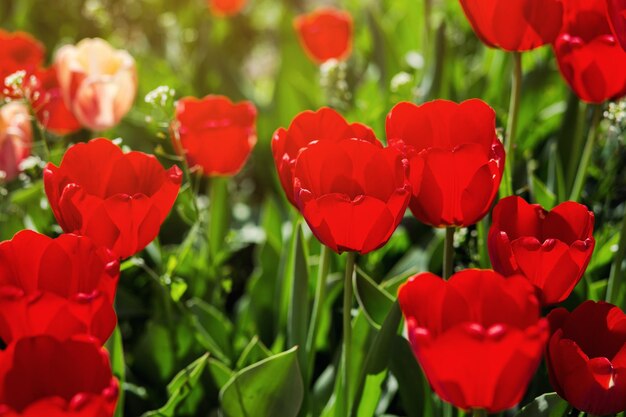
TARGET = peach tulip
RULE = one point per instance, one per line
(98, 82)
(15, 138)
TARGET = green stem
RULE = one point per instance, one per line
(482, 228)
(448, 252)
(116, 352)
(616, 276)
(578, 143)
(41, 135)
(347, 331)
(320, 295)
(581, 174)
(219, 216)
(511, 127)
(479, 412)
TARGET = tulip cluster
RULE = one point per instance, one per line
(57, 295)
(588, 38)
(76, 91)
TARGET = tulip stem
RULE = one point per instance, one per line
(320, 294)
(219, 216)
(616, 276)
(347, 331)
(581, 174)
(448, 252)
(479, 412)
(511, 126)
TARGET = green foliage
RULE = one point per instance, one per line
(268, 388)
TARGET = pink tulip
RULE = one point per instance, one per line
(98, 82)
(15, 138)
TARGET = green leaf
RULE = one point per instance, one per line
(214, 330)
(180, 387)
(373, 299)
(413, 388)
(374, 370)
(270, 388)
(220, 372)
(298, 318)
(255, 351)
(546, 405)
(543, 195)
(219, 220)
(118, 365)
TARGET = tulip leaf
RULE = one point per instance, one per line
(118, 365)
(180, 387)
(542, 194)
(373, 299)
(415, 393)
(269, 388)
(374, 370)
(214, 330)
(221, 373)
(298, 316)
(219, 217)
(254, 351)
(546, 405)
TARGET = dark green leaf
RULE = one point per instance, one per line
(374, 300)
(180, 387)
(546, 405)
(270, 388)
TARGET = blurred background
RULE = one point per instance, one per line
(172, 305)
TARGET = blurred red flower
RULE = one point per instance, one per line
(455, 156)
(309, 126)
(325, 34)
(224, 8)
(515, 25)
(214, 133)
(43, 376)
(478, 337)
(18, 51)
(118, 200)
(98, 82)
(589, 57)
(617, 17)
(352, 193)
(550, 248)
(586, 357)
(16, 138)
(49, 106)
(61, 287)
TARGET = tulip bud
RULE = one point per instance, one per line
(98, 82)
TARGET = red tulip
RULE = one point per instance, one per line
(16, 139)
(586, 357)
(456, 159)
(308, 126)
(49, 106)
(515, 25)
(617, 17)
(60, 287)
(224, 8)
(550, 248)
(325, 34)
(215, 134)
(18, 52)
(352, 193)
(43, 376)
(478, 337)
(118, 200)
(590, 58)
